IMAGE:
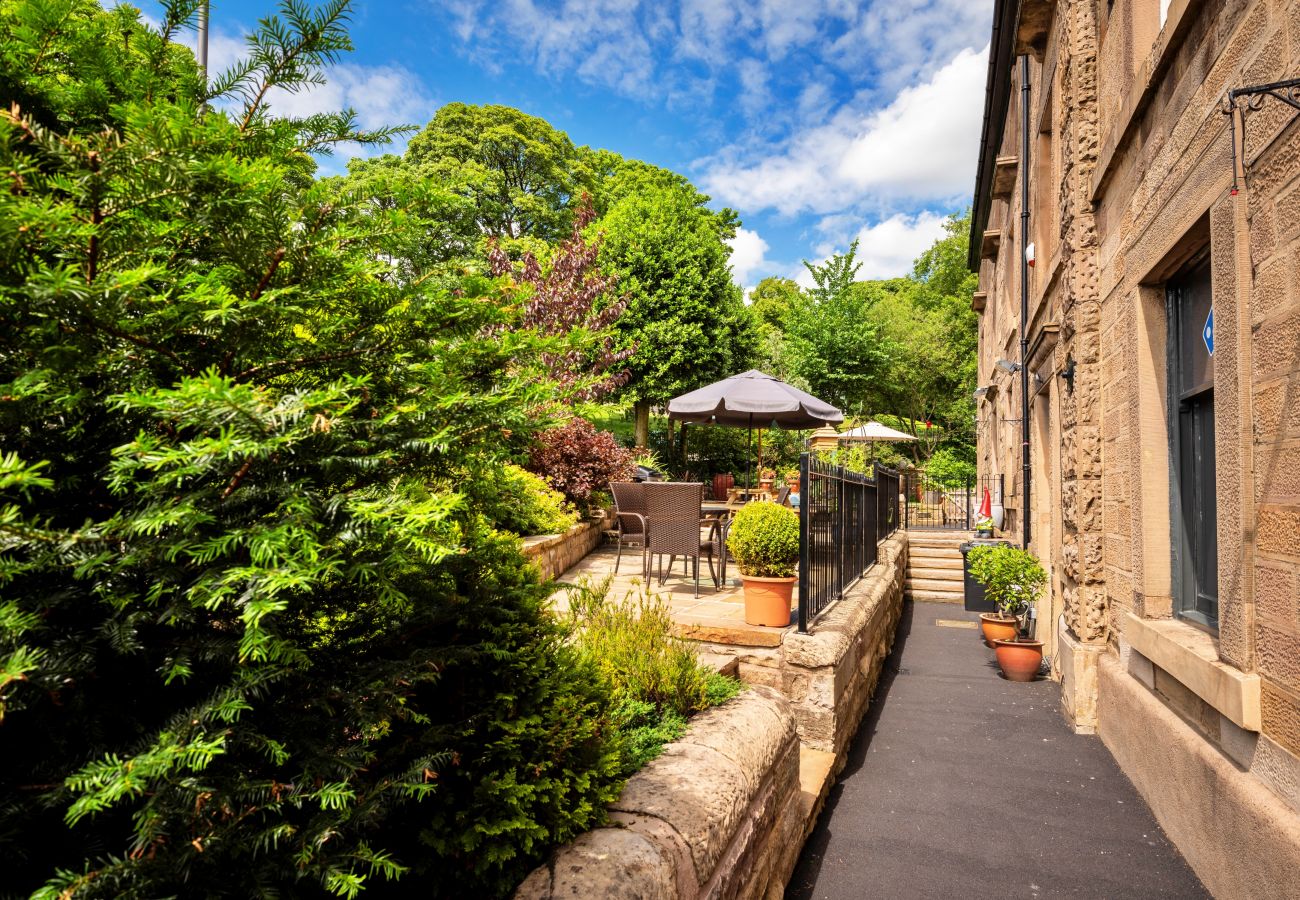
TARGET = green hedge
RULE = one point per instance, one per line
(764, 539)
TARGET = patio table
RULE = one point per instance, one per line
(720, 513)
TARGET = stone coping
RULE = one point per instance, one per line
(1192, 657)
(711, 816)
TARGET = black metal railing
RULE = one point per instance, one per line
(946, 504)
(843, 517)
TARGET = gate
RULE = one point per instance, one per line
(952, 505)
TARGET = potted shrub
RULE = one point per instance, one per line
(765, 480)
(1012, 579)
(764, 541)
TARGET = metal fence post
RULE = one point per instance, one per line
(805, 566)
(970, 500)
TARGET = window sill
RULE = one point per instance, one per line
(1192, 657)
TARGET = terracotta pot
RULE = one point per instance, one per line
(1019, 660)
(767, 600)
(997, 627)
(722, 483)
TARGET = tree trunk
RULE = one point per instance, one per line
(642, 428)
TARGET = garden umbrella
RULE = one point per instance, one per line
(873, 431)
(753, 397)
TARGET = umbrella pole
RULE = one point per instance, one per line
(749, 453)
(760, 454)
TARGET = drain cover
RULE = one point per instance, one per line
(955, 623)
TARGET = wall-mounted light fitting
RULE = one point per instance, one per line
(1067, 372)
(980, 392)
(1007, 365)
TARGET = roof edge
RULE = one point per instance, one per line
(997, 97)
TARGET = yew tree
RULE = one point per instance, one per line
(255, 637)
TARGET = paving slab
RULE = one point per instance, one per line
(717, 615)
(962, 784)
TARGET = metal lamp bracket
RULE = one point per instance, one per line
(1238, 102)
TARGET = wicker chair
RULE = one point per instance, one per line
(630, 521)
(673, 520)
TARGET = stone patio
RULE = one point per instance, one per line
(715, 616)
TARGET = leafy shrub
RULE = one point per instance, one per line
(645, 729)
(764, 540)
(949, 468)
(524, 503)
(655, 677)
(1012, 577)
(576, 459)
(254, 639)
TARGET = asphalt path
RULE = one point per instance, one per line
(962, 784)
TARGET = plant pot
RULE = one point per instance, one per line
(767, 600)
(997, 627)
(722, 483)
(765, 484)
(1019, 660)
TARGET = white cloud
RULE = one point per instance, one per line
(922, 146)
(381, 95)
(748, 255)
(888, 248)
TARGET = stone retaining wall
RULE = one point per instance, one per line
(719, 814)
(555, 553)
(830, 673)
(722, 812)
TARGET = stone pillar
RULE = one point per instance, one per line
(824, 438)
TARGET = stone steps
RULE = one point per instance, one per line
(934, 584)
(934, 566)
(934, 553)
(954, 597)
(938, 573)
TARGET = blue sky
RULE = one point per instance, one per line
(817, 120)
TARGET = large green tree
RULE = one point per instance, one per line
(685, 322)
(255, 637)
(834, 345)
(522, 175)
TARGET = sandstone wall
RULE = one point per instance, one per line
(719, 814)
(553, 554)
(830, 673)
(1242, 842)
(1143, 189)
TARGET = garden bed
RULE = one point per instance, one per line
(719, 813)
(553, 554)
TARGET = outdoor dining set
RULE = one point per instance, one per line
(672, 518)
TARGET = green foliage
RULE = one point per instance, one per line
(632, 645)
(901, 348)
(525, 504)
(856, 457)
(68, 64)
(764, 539)
(257, 636)
(950, 468)
(1012, 577)
(832, 343)
(645, 729)
(685, 322)
(655, 677)
(521, 175)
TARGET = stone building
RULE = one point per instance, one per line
(1161, 362)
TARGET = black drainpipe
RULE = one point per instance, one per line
(1024, 296)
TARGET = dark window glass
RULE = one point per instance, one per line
(1191, 379)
